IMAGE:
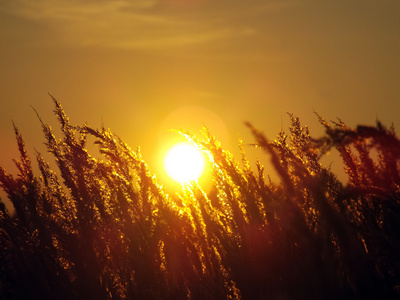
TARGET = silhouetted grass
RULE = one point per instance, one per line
(104, 228)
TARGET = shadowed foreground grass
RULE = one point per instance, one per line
(104, 229)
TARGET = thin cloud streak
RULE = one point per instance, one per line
(138, 25)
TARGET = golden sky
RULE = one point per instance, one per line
(144, 65)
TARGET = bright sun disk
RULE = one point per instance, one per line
(184, 162)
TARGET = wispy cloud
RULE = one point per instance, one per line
(137, 24)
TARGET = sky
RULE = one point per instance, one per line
(142, 67)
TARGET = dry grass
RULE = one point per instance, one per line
(104, 229)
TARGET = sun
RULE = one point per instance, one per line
(184, 162)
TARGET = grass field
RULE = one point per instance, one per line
(103, 228)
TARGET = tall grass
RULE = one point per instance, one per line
(105, 229)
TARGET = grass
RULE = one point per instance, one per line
(105, 229)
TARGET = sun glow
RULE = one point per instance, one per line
(184, 162)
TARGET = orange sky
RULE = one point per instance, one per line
(141, 66)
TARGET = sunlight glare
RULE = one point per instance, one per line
(184, 162)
